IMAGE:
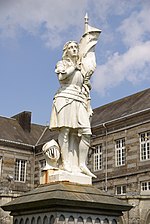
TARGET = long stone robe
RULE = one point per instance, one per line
(71, 102)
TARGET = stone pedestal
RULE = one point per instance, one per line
(64, 202)
(50, 176)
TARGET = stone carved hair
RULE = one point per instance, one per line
(65, 49)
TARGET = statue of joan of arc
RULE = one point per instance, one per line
(71, 111)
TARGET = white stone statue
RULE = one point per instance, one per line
(71, 111)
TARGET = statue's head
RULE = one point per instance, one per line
(71, 49)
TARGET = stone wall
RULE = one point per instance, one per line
(132, 173)
(9, 188)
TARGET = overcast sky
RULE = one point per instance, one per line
(32, 35)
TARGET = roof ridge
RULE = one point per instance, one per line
(12, 118)
(4, 117)
(123, 98)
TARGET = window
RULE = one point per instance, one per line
(120, 152)
(121, 190)
(1, 160)
(20, 170)
(97, 158)
(145, 146)
(42, 163)
(145, 186)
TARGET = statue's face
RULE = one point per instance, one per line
(72, 50)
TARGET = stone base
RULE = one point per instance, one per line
(63, 202)
(50, 176)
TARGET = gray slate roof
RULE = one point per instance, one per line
(122, 107)
(11, 130)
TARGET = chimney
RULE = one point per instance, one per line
(24, 119)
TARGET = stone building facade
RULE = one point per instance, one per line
(18, 138)
(119, 154)
(21, 159)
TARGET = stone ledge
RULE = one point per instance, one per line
(69, 197)
(50, 176)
